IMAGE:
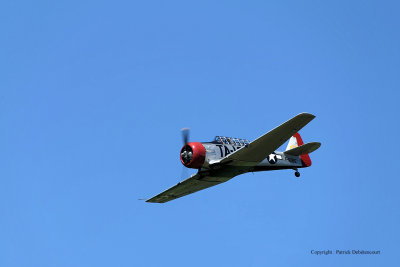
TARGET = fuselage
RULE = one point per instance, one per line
(205, 156)
(274, 161)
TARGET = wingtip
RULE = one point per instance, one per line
(155, 199)
(306, 114)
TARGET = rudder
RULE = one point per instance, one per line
(296, 141)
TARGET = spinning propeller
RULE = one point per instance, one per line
(185, 135)
(186, 152)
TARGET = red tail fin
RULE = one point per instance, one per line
(306, 160)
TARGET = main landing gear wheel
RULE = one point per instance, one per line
(297, 174)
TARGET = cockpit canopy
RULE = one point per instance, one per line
(231, 141)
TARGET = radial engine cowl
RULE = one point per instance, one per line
(193, 155)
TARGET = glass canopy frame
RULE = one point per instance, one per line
(231, 141)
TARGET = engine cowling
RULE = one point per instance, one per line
(193, 155)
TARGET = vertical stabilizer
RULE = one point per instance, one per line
(292, 143)
(296, 141)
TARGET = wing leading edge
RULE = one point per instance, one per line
(196, 182)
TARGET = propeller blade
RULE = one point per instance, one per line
(185, 135)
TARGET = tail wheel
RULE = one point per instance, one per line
(297, 174)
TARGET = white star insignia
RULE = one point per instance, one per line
(272, 157)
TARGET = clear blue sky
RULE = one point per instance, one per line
(93, 96)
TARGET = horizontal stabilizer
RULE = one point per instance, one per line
(303, 149)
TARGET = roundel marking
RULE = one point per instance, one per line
(272, 159)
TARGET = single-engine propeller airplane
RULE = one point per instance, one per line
(224, 158)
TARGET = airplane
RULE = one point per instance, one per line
(225, 157)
